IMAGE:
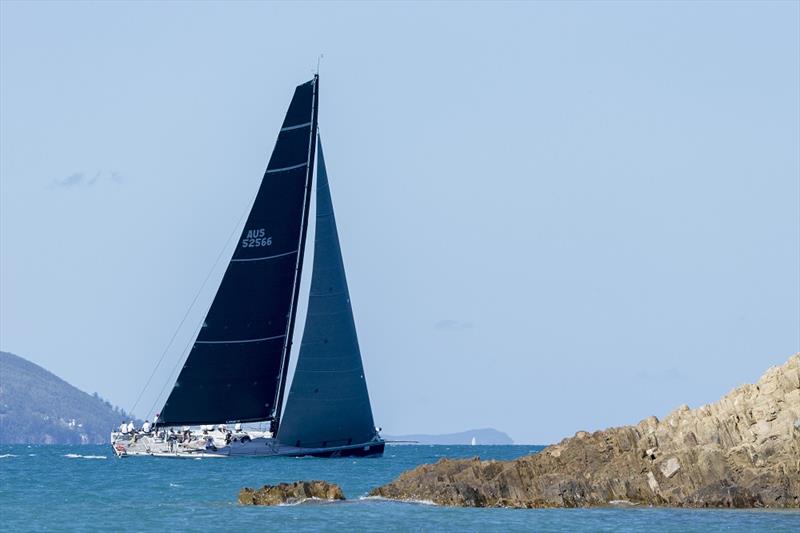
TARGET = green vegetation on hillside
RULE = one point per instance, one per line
(38, 407)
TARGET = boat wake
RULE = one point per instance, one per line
(79, 456)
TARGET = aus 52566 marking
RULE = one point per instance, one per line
(256, 238)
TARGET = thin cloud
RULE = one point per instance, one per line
(454, 324)
(70, 181)
(94, 179)
(79, 179)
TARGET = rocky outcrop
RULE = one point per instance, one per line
(296, 492)
(742, 451)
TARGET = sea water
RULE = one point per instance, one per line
(85, 488)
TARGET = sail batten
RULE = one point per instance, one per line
(284, 169)
(240, 379)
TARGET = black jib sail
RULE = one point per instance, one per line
(328, 403)
(235, 370)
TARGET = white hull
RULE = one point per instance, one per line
(207, 446)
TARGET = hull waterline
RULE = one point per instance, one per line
(258, 447)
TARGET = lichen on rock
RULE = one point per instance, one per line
(290, 493)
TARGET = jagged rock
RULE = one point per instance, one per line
(742, 451)
(296, 492)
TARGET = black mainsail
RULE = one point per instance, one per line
(328, 403)
(237, 367)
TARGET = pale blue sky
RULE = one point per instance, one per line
(554, 216)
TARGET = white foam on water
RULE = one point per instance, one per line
(175, 485)
(79, 456)
(291, 504)
(621, 502)
(7, 455)
(381, 498)
(305, 500)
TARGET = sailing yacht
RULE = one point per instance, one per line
(237, 369)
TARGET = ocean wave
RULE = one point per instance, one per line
(79, 456)
(381, 498)
(305, 500)
(8, 455)
(622, 502)
(293, 503)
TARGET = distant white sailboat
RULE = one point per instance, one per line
(474, 441)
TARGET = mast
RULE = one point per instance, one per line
(299, 268)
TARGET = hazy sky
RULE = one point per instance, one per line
(554, 216)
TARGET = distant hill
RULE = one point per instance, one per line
(38, 407)
(482, 436)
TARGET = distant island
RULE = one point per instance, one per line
(481, 436)
(38, 407)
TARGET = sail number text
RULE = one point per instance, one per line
(256, 238)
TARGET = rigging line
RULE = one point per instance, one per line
(175, 367)
(194, 301)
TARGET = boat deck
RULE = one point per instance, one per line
(215, 444)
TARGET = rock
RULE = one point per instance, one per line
(670, 467)
(652, 482)
(742, 451)
(296, 492)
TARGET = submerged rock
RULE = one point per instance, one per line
(296, 492)
(742, 451)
